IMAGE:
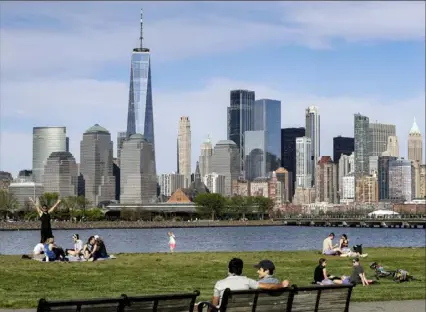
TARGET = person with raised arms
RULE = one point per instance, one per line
(44, 215)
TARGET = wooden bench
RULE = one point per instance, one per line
(329, 298)
(156, 303)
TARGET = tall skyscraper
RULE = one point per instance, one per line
(46, 140)
(226, 162)
(121, 137)
(378, 137)
(96, 165)
(303, 163)
(206, 157)
(215, 183)
(313, 132)
(288, 153)
(184, 149)
(60, 174)
(138, 179)
(263, 144)
(240, 119)
(392, 146)
(342, 145)
(346, 167)
(383, 177)
(170, 182)
(326, 180)
(415, 144)
(401, 184)
(140, 116)
(361, 137)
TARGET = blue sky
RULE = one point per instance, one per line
(67, 64)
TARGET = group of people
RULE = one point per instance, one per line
(47, 250)
(340, 249)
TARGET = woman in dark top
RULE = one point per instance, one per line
(320, 273)
(44, 215)
(344, 244)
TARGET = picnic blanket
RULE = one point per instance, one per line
(74, 259)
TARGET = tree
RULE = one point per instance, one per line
(210, 204)
(76, 205)
(8, 203)
(264, 204)
(48, 199)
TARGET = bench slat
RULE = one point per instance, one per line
(166, 305)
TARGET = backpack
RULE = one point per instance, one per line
(357, 248)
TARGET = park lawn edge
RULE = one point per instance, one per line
(23, 282)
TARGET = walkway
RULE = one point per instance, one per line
(379, 306)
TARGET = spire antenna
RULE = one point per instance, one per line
(141, 33)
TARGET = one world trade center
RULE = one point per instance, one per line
(140, 117)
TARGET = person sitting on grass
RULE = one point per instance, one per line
(100, 246)
(328, 248)
(320, 273)
(265, 270)
(39, 249)
(52, 251)
(357, 276)
(90, 249)
(77, 251)
(236, 281)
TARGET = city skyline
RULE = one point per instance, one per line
(320, 68)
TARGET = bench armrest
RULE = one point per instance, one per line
(210, 306)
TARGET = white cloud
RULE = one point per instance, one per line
(85, 102)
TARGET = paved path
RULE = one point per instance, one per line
(379, 306)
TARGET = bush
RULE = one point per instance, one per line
(158, 218)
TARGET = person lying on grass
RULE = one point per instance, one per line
(236, 281)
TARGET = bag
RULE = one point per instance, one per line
(357, 248)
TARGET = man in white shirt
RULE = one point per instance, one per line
(235, 281)
(327, 246)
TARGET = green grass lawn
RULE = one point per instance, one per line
(23, 282)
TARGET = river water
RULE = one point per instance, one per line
(259, 238)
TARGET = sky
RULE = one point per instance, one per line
(68, 64)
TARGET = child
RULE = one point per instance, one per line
(172, 241)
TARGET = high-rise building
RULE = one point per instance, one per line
(422, 182)
(415, 144)
(240, 119)
(121, 137)
(255, 154)
(67, 144)
(383, 177)
(226, 162)
(392, 146)
(378, 137)
(346, 167)
(96, 165)
(46, 140)
(215, 183)
(288, 153)
(60, 174)
(342, 146)
(401, 184)
(284, 186)
(348, 189)
(184, 149)
(373, 164)
(205, 159)
(326, 180)
(137, 172)
(140, 116)
(361, 138)
(22, 190)
(367, 189)
(170, 182)
(303, 163)
(313, 132)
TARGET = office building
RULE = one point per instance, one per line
(326, 181)
(170, 182)
(367, 189)
(226, 162)
(361, 139)
(46, 140)
(60, 174)
(23, 190)
(348, 189)
(312, 118)
(240, 119)
(96, 167)
(184, 149)
(383, 177)
(215, 183)
(288, 153)
(205, 159)
(401, 184)
(140, 115)
(393, 146)
(303, 163)
(255, 154)
(284, 185)
(138, 177)
(346, 166)
(121, 137)
(342, 146)
(415, 144)
(378, 135)
(67, 144)
(373, 164)
(422, 182)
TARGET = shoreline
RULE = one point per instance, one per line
(67, 225)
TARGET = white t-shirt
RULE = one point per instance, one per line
(172, 239)
(234, 282)
(326, 244)
(38, 249)
(78, 245)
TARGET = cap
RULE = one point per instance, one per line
(266, 265)
(96, 236)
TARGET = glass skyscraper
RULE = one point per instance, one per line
(140, 117)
